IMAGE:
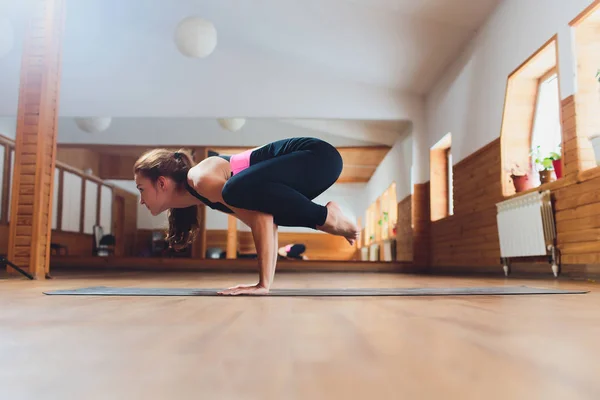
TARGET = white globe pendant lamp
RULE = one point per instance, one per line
(7, 38)
(93, 124)
(232, 124)
(195, 37)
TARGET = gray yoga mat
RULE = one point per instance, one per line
(459, 291)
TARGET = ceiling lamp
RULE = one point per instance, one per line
(93, 124)
(195, 37)
(232, 124)
(6, 36)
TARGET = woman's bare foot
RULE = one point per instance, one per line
(338, 224)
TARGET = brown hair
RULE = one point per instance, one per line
(183, 222)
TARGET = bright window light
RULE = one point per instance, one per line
(547, 132)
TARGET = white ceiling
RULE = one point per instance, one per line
(318, 64)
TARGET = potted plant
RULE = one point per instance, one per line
(556, 162)
(544, 164)
(520, 178)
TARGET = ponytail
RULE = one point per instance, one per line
(183, 222)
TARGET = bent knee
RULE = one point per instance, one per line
(229, 193)
(233, 193)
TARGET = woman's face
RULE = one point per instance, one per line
(155, 196)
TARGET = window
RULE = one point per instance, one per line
(586, 35)
(441, 198)
(531, 118)
(382, 216)
(546, 135)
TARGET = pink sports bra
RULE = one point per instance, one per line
(240, 161)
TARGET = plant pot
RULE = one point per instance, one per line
(546, 176)
(521, 182)
(557, 164)
(596, 144)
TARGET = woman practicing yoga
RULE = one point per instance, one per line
(268, 186)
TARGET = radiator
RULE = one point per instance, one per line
(526, 228)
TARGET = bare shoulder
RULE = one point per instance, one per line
(208, 177)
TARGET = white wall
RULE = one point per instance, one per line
(395, 167)
(204, 131)
(8, 127)
(71, 202)
(468, 101)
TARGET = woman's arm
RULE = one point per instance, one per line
(263, 232)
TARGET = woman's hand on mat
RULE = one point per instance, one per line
(256, 289)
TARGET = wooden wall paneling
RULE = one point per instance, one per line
(4, 238)
(404, 231)
(114, 166)
(81, 159)
(470, 236)
(78, 244)
(4, 199)
(421, 225)
(35, 144)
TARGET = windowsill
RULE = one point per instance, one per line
(554, 185)
(445, 217)
(588, 174)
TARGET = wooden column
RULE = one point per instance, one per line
(404, 230)
(232, 237)
(35, 144)
(422, 225)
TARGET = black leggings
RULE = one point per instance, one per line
(293, 173)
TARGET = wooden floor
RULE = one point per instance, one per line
(517, 347)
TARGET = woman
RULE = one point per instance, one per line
(268, 186)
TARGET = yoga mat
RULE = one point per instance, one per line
(458, 291)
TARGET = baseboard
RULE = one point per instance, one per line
(64, 263)
(521, 270)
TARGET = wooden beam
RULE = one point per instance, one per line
(232, 239)
(35, 144)
(421, 219)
